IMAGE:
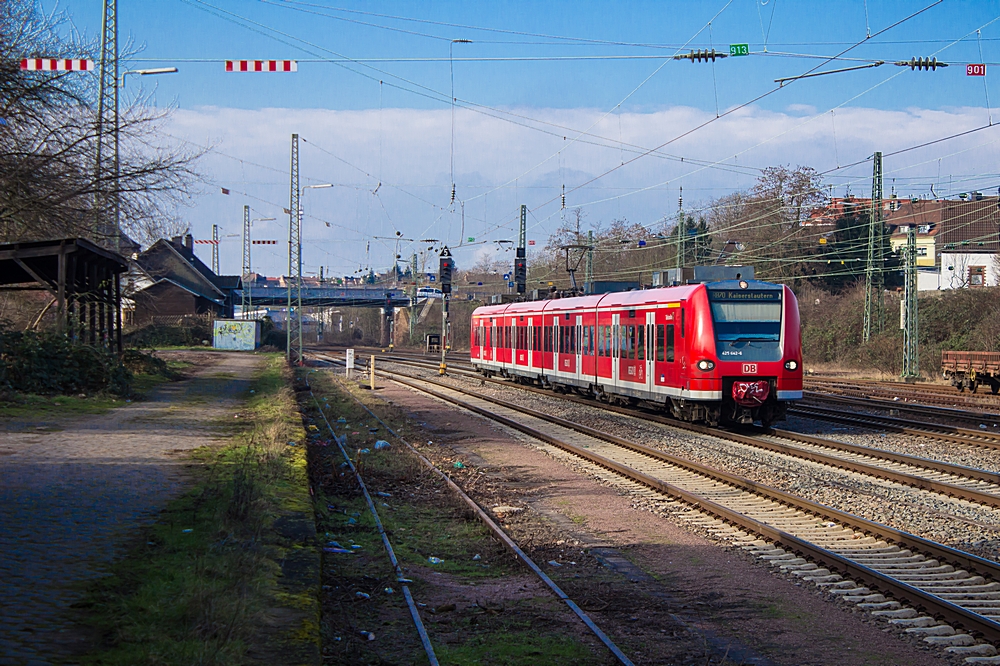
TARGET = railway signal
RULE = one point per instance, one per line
(445, 270)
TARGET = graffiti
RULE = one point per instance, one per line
(236, 335)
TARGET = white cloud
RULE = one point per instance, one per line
(499, 165)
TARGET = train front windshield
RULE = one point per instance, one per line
(747, 323)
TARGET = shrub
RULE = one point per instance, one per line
(49, 363)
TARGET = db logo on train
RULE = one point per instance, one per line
(749, 368)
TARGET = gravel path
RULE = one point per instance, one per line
(73, 490)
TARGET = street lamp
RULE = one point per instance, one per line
(146, 72)
(116, 166)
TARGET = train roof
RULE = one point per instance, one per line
(647, 296)
(619, 299)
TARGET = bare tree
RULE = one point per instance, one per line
(49, 184)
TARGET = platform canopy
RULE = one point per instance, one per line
(83, 278)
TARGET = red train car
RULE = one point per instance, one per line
(726, 351)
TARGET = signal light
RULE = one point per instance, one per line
(520, 271)
(701, 55)
(445, 270)
(921, 63)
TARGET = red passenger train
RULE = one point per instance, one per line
(726, 351)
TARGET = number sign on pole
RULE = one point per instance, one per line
(739, 49)
(975, 69)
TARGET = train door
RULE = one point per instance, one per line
(650, 348)
(665, 364)
(631, 362)
(578, 346)
(531, 342)
(492, 346)
(616, 351)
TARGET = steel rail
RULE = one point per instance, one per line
(509, 543)
(932, 485)
(873, 402)
(901, 591)
(923, 429)
(425, 640)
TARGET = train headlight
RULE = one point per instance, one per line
(791, 365)
(705, 365)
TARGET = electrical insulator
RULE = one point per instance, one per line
(453, 192)
(564, 196)
(701, 55)
(921, 63)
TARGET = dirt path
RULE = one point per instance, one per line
(72, 491)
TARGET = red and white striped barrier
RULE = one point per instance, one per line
(262, 66)
(264, 242)
(206, 242)
(56, 65)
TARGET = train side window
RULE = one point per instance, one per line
(640, 347)
(683, 312)
(601, 338)
(670, 343)
(659, 342)
(548, 338)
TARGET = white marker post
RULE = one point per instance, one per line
(350, 363)
(371, 368)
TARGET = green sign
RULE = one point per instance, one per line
(472, 239)
(739, 49)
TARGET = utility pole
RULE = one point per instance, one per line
(874, 275)
(520, 255)
(246, 305)
(215, 249)
(911, 361)
(681, 233)
(589, 270)
(294, 348)
(413, 301)
(107, 120)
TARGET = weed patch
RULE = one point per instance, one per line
(223, 577)
(478, 605)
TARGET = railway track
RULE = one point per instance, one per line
(942, 432)
(987, 419)
(927, 394)
(966, 483)
(825, 546)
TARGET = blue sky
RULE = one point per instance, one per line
(398, 132)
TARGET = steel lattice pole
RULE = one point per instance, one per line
(874, 276)
(107, 120)
(215, 249)
(245, 305)
(911, 362)
(294, 348)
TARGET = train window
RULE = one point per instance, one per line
(629, 342)
(659, 342)
(600, 341)
(683, 312)
(640, 347)
(670, 343)
(548, 338)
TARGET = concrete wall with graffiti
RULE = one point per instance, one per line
(236, 334)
